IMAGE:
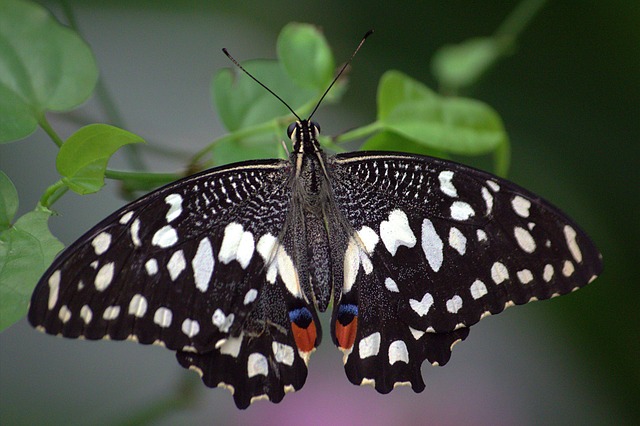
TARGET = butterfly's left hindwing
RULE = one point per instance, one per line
(436, 246)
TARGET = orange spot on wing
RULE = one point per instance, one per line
(305, 337)
(346, 334)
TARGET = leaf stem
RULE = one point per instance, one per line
(236, 135)
(53, 193)
(358, 133)
(44, 123)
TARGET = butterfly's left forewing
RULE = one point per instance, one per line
(435, 247)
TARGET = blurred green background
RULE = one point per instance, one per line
(570, 98)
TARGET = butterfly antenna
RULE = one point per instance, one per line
(236, 63)
(340, 72)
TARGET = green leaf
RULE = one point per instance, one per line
(461, 65)
(302, 73)
(43, 66)
(260, 145)
(396, 88)
(306, 56)
(242, 103)
(8, 201)
(26, 250)
(454, 125)
(83, 158)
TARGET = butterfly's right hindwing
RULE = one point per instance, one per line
(181, 267)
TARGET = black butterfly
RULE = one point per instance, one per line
(229, 267)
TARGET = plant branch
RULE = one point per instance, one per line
(46, 126)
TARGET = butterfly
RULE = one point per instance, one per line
(229, 267)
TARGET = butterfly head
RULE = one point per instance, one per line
(304, 136)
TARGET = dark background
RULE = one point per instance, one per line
(570, 99)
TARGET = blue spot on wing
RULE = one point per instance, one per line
(301, 317)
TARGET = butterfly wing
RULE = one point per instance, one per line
(192, 266)
(437, 246)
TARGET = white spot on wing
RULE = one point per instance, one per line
(111, 313)
(570, 235)
(165, 237)
(547, 274)
(521, 206)
(265, 247)
(101, 242)
(494, 186)
(138, 306)
(488, 199)
(54, 289)
(222, 321)
(175, 209)
(524, 239)
(391, 285)
(499, 273)
(369, 346)
(125, 218)
(446, 186)
(64, 314)
(454, 304)
(246, 249)
(287, 272)
(432, 245)
(461, 210)
(396, 232)
(163, 317)
(151, 266)
(568, 269)
(257, 365)
(525, 276)
(351, 264)
(478, 289)
(417, 334)
(135, 231)
(457, 240)
(398, 352)
(104, 277)
(237, 244)
(231, 346)
(176, 264)
(422, 307)
(369, 238)
(203, 264)
(86, 314)
(250, 296)
(190, 327)
(481, 235)
(282, 353)
(279, 262)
